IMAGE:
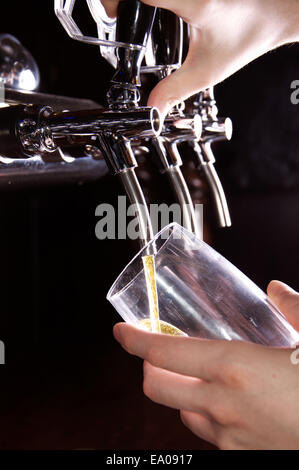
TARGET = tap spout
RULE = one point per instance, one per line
(205, 161)
(136, 198)
(164, 149)
(214, 129)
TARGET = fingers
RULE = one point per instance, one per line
(194, 75)
(286, 299)
(175, 88)
(176, 391)
(110, 7)
(200, 70)
(184, 355)
(202, 427)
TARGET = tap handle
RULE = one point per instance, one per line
(134, 26)
(134, 22)
(106, 27)
(167, 43)
(214, 131)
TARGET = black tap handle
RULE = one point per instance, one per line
(134, 22)
(134, 26)
(167, 38)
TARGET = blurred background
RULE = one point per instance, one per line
(67, 384)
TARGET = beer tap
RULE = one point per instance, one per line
(166, 47)
(133, 27)
(163, 53)
(214, 129)
(164, 149)
(39, 130)
(53, 133)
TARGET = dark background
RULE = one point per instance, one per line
(67, 384)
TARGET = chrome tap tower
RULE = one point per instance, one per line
(139, 40)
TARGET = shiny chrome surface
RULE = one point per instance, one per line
(184, 198)
(40, 131)
(134, 25)
(176, 129)
(14, 97)
(164, 54)
(21, 173)
(36, 131)
(205, 161)
(214, 129)
(18, 69)
(136, 197)
(164, 149)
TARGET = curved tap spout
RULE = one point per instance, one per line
(164, 150)
(136, 198)
(214, 129)
(204, 160)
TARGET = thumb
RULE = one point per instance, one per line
(286, 299)
(174, 89)
(193, 76)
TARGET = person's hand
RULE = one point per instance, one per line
(225, 36)
(233, 394)
(110, 7)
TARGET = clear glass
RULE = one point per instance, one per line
(200, 293)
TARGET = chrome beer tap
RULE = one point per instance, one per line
(125, 40)
(28, 131)
(167, 44)
(123, 43)
(177, 128)
(133, 27)
(54, 130)
(164, 55)
(214, 129)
